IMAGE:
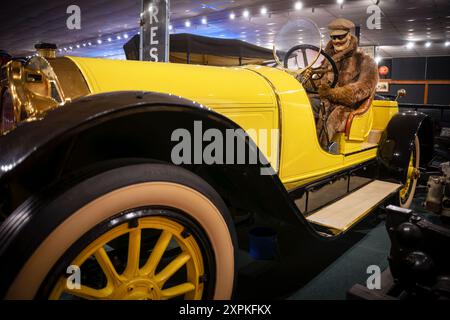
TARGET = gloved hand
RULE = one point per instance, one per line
(324, 91)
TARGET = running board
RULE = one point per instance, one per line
(343, 214)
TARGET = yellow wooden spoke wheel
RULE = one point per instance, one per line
(142, 282)
(406, 193)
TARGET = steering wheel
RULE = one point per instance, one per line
(299, 57)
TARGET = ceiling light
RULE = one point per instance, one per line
(340, 1)
(447, 43)
(263, 10)
(410, 20)
(410, 30)
(170, 27)
(125, 36)
(78, 46)
(89, 43)
(271, 23)
(119, 37)
(378, 59)
(204, 21)
(246, 14)
(109, 39)
(187, 24)
(70, 48)
(298, 5)
(410, 45)
(84, 44)
(428, 44)
(99, 41)
(232, 16)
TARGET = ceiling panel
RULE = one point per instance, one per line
(25, 22)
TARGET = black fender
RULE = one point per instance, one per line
(101, 132)
(397, 141)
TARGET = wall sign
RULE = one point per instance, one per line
(383, 86)
(383, 70)
(155, 30)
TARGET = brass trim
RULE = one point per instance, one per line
(41, 85)
(71, 79)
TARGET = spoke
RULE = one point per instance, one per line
(177, 290)
(107, 266)
(172, 268)
(134, 248)
(305, 57)
(58, 290)
(89, 293)
(296, 61)
(157, 253)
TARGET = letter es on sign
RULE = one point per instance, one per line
(155, 30)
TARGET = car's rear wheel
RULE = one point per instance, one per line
(138, 232)
(406, 194)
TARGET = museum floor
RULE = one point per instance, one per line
(350, 268)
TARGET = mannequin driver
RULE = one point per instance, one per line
(358, 77)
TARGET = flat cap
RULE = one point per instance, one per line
(340, 26)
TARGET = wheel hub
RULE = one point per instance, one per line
(138, 289)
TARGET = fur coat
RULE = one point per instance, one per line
(358, 77)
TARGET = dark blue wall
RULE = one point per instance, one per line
(420, 68)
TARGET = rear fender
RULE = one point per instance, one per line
(397, 142)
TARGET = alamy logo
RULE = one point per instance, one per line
(374, 20)
(374, 280)
(235, 146)
(73, 281)
(73, 22)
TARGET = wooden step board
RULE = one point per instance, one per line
(342, 214)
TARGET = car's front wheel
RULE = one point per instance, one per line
(139, 232)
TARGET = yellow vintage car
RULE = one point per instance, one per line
(94, 206)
